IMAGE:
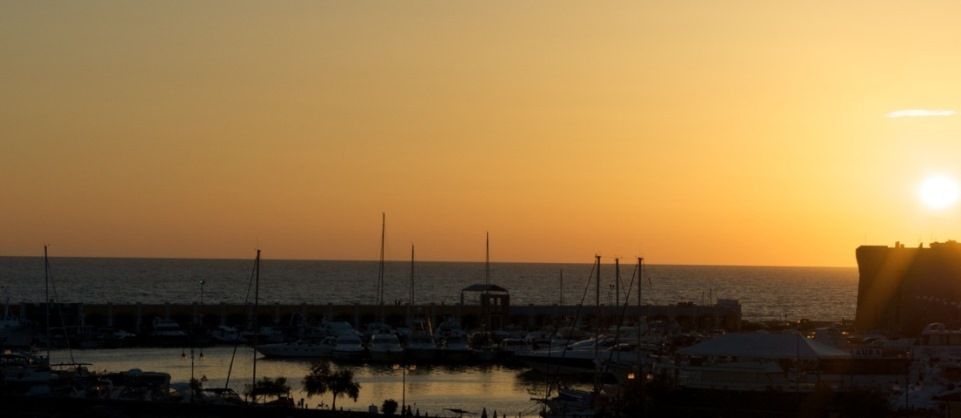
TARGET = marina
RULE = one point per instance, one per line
(581, 356)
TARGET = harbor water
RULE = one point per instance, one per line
(429, 389)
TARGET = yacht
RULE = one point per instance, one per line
(456, 349)
(385, 348)
(508, 347)
(225, 334)
(265, 335)
(574, 358)
(421, 347)
(167, 333)
(348, 347)
(25, 374)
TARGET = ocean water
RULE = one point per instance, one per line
(765, 293)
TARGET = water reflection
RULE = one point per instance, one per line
(430, 389)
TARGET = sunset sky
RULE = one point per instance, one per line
(694, 132)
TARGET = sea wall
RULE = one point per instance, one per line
(138, 317)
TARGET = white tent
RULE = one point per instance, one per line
(762, 345)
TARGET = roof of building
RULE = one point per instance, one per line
(480, 287)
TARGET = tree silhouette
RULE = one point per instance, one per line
(389, 407)
(268, 387)
(322, 380)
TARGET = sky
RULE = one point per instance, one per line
(694, 132)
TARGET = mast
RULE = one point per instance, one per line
(617, 283)
(487, 279)
(410, 305)
(640, 316)
(597, 325)
(380, 268)
(487, 260)
(640, 285)
(253, 386)
(46, 297)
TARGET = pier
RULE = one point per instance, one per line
(137, 317)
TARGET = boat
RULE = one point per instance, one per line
(455, 348)
(226, 334)
(166, 332)
(266, 334)
(576, 358)
(338, 328)
(421, 346)
(347, 347)
(22, 373)
(385, 348)
(484, 346)
(508, 347)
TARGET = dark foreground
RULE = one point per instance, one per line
(37, 407)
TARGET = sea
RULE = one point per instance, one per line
(765, 293)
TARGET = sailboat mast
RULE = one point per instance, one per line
(46, 296)
(617, 282)
(640, 316)
(253, 386)
(597, 324)
(640, 285)
(487, 260)
(487, 279)
(380, 269)
(410, 305)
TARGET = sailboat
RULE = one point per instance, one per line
(420, 344)
(483, 344)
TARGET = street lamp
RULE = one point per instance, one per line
(403, 391)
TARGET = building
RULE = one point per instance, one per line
(901, 289)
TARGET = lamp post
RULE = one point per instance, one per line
(403, 390)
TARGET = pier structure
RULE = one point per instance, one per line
(137, 317)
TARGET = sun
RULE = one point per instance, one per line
(939, 192)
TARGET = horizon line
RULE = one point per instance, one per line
(425, 261)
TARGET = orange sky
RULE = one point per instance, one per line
(727, 132)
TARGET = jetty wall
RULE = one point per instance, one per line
(137, 317)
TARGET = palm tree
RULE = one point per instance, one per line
(322, 380)
(268, 387)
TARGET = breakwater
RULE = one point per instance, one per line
(137, 317)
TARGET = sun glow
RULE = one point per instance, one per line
(939, 192)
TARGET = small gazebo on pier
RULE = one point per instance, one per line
(495, 302)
